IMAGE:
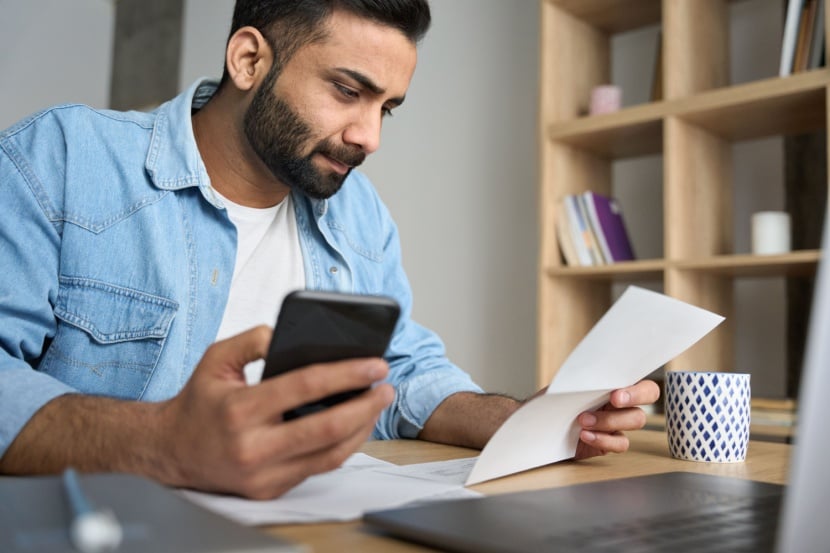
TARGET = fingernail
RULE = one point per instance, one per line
(588, 419)
(390, 396)
(377, 370)
(588, 436)
(625, 397)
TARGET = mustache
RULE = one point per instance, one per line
(347, 155)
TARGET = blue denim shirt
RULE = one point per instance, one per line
(117, 257)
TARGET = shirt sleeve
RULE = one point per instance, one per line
(29, 256)
(420, 371)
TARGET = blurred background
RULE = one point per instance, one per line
(458, 163)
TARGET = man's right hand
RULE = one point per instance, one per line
(218, 434)
(230, 437)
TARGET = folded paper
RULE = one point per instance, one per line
(641, 332)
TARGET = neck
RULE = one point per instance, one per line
(234, 169)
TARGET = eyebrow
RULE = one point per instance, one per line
(366, 82)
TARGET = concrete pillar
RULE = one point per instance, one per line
(146, 53)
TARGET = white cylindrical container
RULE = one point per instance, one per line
(770, 232)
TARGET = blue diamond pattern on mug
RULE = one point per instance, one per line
(708, 415)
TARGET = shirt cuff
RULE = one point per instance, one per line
(417, 397)
(22, 394)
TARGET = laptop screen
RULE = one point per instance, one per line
(804, 527)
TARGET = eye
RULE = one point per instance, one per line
(386, 112)
(345, 91)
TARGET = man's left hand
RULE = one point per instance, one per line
(602, 430)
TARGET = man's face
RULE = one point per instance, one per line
(320, 116)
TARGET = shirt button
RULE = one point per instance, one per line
(333, 270)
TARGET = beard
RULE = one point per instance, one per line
(278, 135)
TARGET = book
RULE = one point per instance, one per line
(805, 31)
(817, 44)
(610, 225)
(564, 236)
(602, 243)
(788, 44)
(579, 231)
(591, 234)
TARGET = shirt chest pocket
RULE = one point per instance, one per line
(108, 338)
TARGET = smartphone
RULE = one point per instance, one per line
(321, 327)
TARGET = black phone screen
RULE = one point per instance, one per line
(321, 327)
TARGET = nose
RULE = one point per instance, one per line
(364, 132)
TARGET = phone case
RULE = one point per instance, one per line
(321, 327)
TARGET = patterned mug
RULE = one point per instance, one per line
(707, 415)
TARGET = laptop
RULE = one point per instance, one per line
(675, 512)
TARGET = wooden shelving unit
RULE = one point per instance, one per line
(693, 128)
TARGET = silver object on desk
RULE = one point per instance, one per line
(91, 530)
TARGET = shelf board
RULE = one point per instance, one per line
(798, 263)
(613, 16)
(649, 269)
(789, 105)
(762, 108)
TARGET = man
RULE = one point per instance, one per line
(144, 253)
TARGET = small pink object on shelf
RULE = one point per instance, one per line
(605, 99)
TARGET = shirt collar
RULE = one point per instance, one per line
(173, 160)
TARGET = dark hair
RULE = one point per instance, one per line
(290, 24)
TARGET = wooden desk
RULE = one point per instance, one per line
(766, 461)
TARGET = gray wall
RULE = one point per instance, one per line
(53, 51)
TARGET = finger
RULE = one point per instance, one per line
(228, 357)
(271, 398)
(632, 418)
(320, 430)
(644, 392)
(276, 479)
(600, 443)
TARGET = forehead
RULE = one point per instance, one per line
(382, 53)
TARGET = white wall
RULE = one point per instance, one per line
(51, 52)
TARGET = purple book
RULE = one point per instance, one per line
(607, 216)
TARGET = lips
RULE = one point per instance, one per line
(337, 165)
(342, 158)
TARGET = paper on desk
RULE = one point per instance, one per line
(642, 331)
(363, 483)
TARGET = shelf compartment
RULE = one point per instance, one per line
(754, 110)
(797, 263)
(630, 132)
(613, 16)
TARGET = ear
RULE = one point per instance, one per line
(248, 58)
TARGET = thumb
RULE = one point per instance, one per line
(228, 357)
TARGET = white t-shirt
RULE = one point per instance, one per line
(269, 265)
